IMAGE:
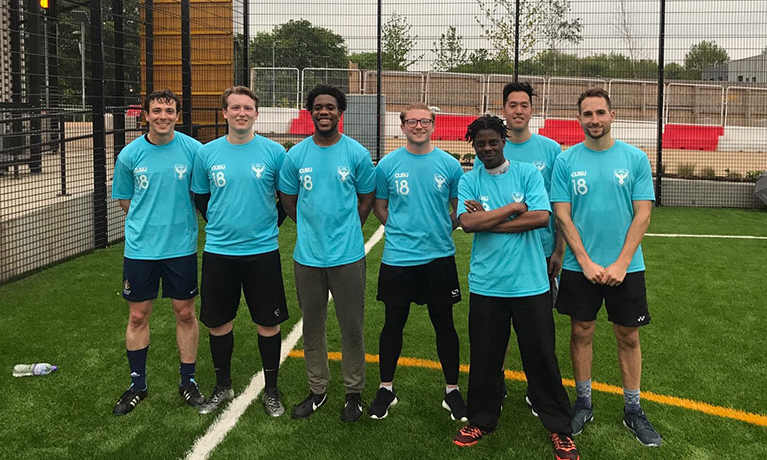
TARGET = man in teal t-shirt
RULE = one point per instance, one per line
(235, 185)
(416, 185)
(602, 191)
(151, 181)
(503, 204)
(327, 185)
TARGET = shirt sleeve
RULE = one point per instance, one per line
(465, 192)
(288, 177)
(455, 180)
(536, 197)
(560, 190)
(279, 160)
(643, 186)
(382, 186)
(122, 182)
(365, 174)
(200, 182)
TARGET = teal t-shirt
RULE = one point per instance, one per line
(327, 181)
(506, 264)
(601, 188)
(419, 189)
(161, 221)
(242, 182)
(541, 152)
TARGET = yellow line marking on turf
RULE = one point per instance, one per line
(710, 409)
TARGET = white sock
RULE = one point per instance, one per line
(389, 387)
(449, 389)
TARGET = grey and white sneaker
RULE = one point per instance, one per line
(581, 416)
(219, 396)
(272, 402)
(639, 425)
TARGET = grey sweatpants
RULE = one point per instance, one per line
(347, 284)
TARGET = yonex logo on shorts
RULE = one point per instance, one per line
(277, 312)
(640, 319)
(455, 292)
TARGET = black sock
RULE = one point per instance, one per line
(187, 372)
(137, 363)
(270, 348)
(221, 347)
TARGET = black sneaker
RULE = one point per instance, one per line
(468, 436)
(272, 402)
(639, 425)
(307, 407)
(352, 409)
(530, 405)
(191, 394)
(129, 400)
(454, 403)
(218, 396)
(379, 408)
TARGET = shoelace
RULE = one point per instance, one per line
(471, 431)
(642, 422)
(562, 442)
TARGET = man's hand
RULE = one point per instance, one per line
(555, 264)
(593, 272)
(473, 206)
(614, 274)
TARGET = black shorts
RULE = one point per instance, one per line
(626, 303)
(141, 278)
(258, 276)
(435, 283)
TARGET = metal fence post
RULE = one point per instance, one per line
(245, 45)
(661, 83)
(149, 58)
(516, 43)
(118, 135)
(378, 81)
(186, 67)
(100, 226)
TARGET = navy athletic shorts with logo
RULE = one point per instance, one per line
(259, 276)
(435, 283)
(626, 303)
(141, 278)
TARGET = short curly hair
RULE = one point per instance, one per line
(330, 91)
(483, 123)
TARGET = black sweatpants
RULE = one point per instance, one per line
(489, 330)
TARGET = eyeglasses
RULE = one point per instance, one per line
(413, 122)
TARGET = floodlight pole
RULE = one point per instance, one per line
(516, 43)
(379, 67)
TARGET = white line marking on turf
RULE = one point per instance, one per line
(729, 237)
(218, 430)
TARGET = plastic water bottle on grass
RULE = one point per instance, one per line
(26, 370)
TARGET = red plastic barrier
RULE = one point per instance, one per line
(565, 132)
(303, 125)
(451, 127)
(690, 137)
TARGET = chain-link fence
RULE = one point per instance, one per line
(688, 81)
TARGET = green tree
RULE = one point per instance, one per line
(449, 50)
(397, 42)
(674, 71)
(369, 61)
(298, 44)
(702, 56)
(546, 17)
(480, 61)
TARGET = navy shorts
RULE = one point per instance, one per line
(626, 303)
(141, 278)
(259, 276)
(435, 283)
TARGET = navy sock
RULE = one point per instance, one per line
(187, 372)
(270, 347)
(221, 348)
(137, 363)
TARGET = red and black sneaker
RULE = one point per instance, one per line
(469, 435)
(564, 447)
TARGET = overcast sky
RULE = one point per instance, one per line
(739, 26)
